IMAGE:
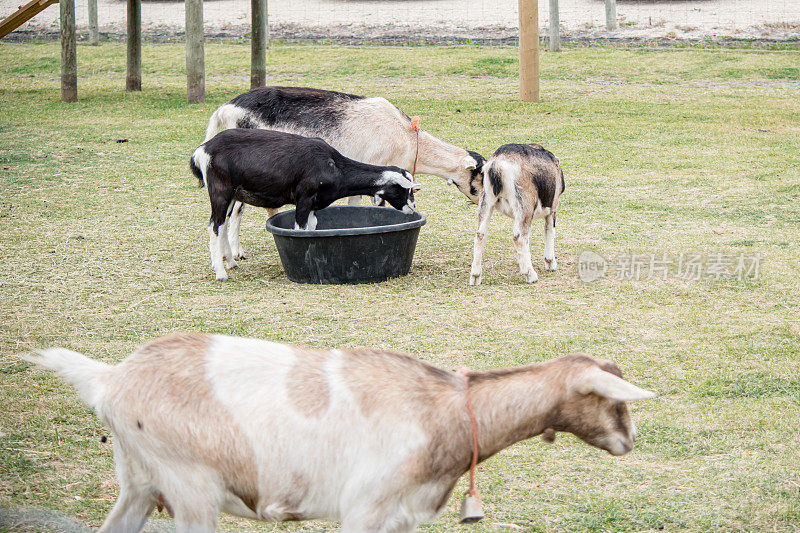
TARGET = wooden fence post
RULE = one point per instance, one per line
(611, 14)
(94, 33)
(555, 37)
(529, 50)
(69, 54)
(195, 56)
(258, 43)
(133, 76)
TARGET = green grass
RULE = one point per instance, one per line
(104, 247)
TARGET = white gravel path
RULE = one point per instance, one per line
(643, 19)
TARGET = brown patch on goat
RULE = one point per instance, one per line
(406, 388)
(163, 385)
(382, 381)
(307, 383)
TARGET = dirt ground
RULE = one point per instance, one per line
(443, 20)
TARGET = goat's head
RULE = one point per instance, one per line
(470, 175)
(397, 188)
(594, 408)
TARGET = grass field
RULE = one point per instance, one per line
(104, 247)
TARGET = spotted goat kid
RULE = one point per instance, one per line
(523, 181)
(376, 439)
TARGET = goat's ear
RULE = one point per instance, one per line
(416, 186)
(598, 381)
(406, 183)
(469, 163)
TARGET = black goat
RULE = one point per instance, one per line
(269, 169)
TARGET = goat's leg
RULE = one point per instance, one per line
(130, 512)
(194, 499)
(199, 514)
(522, 242)
(214, 248)
(312, 221)
(134, 503)
(550, 242)
(234, 230)
(370, 521)
(303, 215)
(225, 245)
(218, 215)
(393, 528)
(193, 524)
(485, 209)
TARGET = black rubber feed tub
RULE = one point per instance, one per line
(351, 244)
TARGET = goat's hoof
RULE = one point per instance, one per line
(551, 264)
(222, 277)
(532, 276)
(475, 279)
(239, 256)
(230, 263)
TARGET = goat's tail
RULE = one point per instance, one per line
(78, 370)
(214, 125)
(199, 163)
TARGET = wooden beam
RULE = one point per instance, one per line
(94, 33)
(133, 75)
(258, 43)
(555, 36)
(69, 55)
(195, 56)
(529, 50)
(23, 15)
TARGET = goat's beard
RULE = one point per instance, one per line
(549, 435)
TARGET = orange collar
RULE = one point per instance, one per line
(415, 127)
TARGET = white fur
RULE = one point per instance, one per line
(311, 224)
(83, 373)
(215, 251)
(346, 451)
(607, 385)
(202, 160)
(226, 116)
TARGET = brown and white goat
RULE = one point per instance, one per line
(368, 129)
(523, 181)
(378, 440)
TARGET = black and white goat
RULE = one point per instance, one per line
(523, 181)
(270, 169)
(371, 130)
